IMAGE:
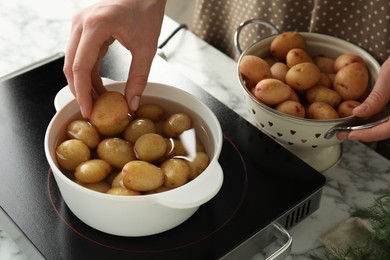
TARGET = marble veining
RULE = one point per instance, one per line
(33, 30)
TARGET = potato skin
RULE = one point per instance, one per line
(71, 153)
(110, 113)
(323, 94)
(291, 108)
(325, 64)
(142, 176)
(279, 71)
(303, 76)
(150, 147)
(322, 111)
(92, 171)
(286, 41)
(272, 91)
(153, 112)
(345, 59)
(345, 108)
(84, 131)
(254, 68)
(296, 55)
(116, 151)
(176, 172)
(351, 81)
(176, 124)
(138, 127)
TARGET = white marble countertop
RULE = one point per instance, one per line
(33, 30)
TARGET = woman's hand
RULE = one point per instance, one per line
(378, 98)
(136, 24)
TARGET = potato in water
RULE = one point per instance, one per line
(142, 176)
(110, 113)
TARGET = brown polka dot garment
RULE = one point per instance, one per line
(362, 22)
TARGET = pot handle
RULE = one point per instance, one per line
(254, 247)
(196, 192)
(250, 21)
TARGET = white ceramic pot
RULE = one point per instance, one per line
(304, 137)
(145, 214)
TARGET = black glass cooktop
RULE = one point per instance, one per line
(262, 180)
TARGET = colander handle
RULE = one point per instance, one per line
(251, 21)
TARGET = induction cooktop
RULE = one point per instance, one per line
(263, 182)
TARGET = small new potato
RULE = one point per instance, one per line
(122, 191)
(291, 108)
(279, 71)
(176, 172)
(92, 171)
(198, 165)
(322, 111)
(116, 151)
(272, 91)
(150, 147)
(142, 176)
(286, 41)
(296, 56)
(324, 94)
(100, 186)
(254, 68)
(138, 127)
(176, 124)
(110, 113)
(325, 64)
(351, 81)
(345, 108)
(153, 112)
(71, 153)
(84, 131)
(324, 80)
(303, 76)
(346, 59)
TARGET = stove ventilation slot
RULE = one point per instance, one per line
(300, 211)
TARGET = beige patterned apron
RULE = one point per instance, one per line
(362, 22)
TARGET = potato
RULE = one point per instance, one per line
(294, 96)
(322, 111)
(296, 55)
(345, 108)
(324, 80)
(303, 76)
(122, 191)
(150, 147)
(110, 113)
(117, 181)
(71, 153)
(158, 190)
(142, 176)
(176, 124)
(153, 112)
(325, 64)
(100, 186)
(92, 171)
(351, 81)
(198, 165)
(138, 127)
(286, 41)
(346, 59)
(116, 151)
(279, 71)
(176, 172)
(324, 94)
(292, 108)
(272, 91)
(270, 61)
(254, 68)
(84, 131)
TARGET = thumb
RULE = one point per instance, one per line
(137, 80)
(377, 99)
